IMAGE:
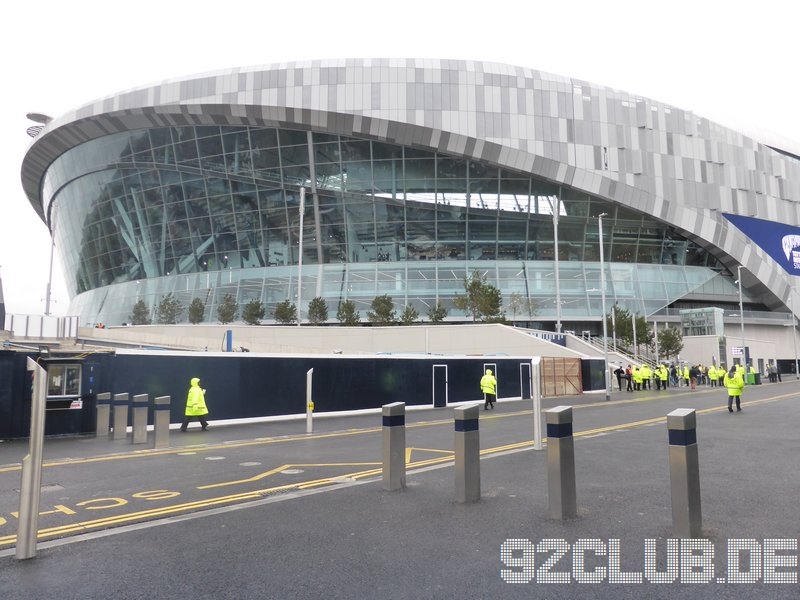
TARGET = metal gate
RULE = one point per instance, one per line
(525, 380)
(439, 386)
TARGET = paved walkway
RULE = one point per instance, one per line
(354, 540)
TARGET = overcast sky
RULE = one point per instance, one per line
(730, 61)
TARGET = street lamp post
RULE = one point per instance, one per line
(300, 256)
(614, 326)
(606, 378)
(48, 295)
(741, 312)
(794, 333)
(556, 210)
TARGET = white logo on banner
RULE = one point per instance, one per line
(789, 244)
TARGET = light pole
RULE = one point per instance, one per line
(794, 333)
(556, 210)
(614, 325)
(48, 295)
(741, 312)
(603, 304)
(300, 256)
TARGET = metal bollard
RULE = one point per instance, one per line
(161, 421)
(140, 418)
(467, 453)
(31, 485)
(536, 396)
(120, 416)
(684, 473)
(103, 414)
(394, 446)
(561, 496)
(309, 402)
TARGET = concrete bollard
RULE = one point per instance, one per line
(684, 473)
(161, 413)
(120, 416)
(140, 418)
(467, 453)
(103, 426)
(394, 446)
(561, 497)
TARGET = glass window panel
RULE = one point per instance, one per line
(355, 150)
(357, 176)
(292, 137)
(263, 139)
(479, 171)
(296, 176)
(381, 151)
(207, 131)
(326, 153)
(388, 176)
(294, 155)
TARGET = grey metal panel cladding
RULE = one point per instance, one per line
(355, 88)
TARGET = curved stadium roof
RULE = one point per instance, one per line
(658, 159)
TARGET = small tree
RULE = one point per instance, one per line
(227, 310)
(196, 311)
(139, 315)
(382, 311)
(347, 313)
(317, 311)
(253, 312)
(409, 315)
(620, 323)
(285, 312)
(169, 310)
(644, 335)
(518, 303)
(670, 342)
(437, 313)
(482, 300)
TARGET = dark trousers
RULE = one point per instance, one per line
(201, 418)
(489, 401)
(730, 403)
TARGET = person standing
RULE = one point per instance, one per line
(734, 383)
(620, 373)
(713, 375)
(694, 373)
(195, 405)
(663, 374)
(629, 377)
(489, 389)
(646, 373)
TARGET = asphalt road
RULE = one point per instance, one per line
(264, 510)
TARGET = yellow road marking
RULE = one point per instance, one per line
(302, 437)
(163, 511)
(266, 474)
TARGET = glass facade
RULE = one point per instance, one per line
(202, 212)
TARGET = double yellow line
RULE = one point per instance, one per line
(187, 507)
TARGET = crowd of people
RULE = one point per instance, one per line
(662, 376)
(733, 380)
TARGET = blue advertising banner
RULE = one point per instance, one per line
(780, 241)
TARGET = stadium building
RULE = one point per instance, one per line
(414, 174)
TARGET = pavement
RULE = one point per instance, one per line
(333, 532)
